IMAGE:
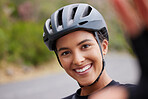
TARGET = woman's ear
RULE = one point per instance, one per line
(104, 47)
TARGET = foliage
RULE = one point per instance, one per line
(21, 40)
(117, 42)
(2, 43)
(26, 43)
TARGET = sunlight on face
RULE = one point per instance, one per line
(80, 56)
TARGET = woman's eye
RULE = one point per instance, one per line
(65, 53)
(85, 46)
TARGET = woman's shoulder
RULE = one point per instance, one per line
(128, 85)
(123, 85)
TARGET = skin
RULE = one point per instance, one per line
(133, 18)
(80, 49)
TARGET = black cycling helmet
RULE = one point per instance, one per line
(71, 18)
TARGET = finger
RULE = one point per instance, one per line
(142, 6)
(128, 16)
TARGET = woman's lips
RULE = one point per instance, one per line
(83, 69)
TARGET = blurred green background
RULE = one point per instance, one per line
(21, 29)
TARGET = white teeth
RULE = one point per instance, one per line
(83, 69)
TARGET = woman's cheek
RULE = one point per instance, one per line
(65, 62)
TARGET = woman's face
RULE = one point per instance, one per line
(80, 56)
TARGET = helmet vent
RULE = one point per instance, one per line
(50, 25)
(81, 23)
(59, 21)
(87, 11)
(73, 12)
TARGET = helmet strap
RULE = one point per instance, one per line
(58, 57)
(97, 38)
(97, 77)
(103, 62)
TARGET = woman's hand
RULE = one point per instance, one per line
(133, 15)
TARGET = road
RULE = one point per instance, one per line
(121, 67)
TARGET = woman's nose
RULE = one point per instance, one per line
(78, 59)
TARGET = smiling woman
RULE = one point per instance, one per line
(78, 34)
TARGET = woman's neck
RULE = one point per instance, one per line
(103, 81)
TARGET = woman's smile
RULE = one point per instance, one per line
(83, 70)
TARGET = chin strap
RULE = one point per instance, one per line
(103, 62)
(97, 77)
(55, 51)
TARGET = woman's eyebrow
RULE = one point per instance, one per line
(83, 41)
(63, 48)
